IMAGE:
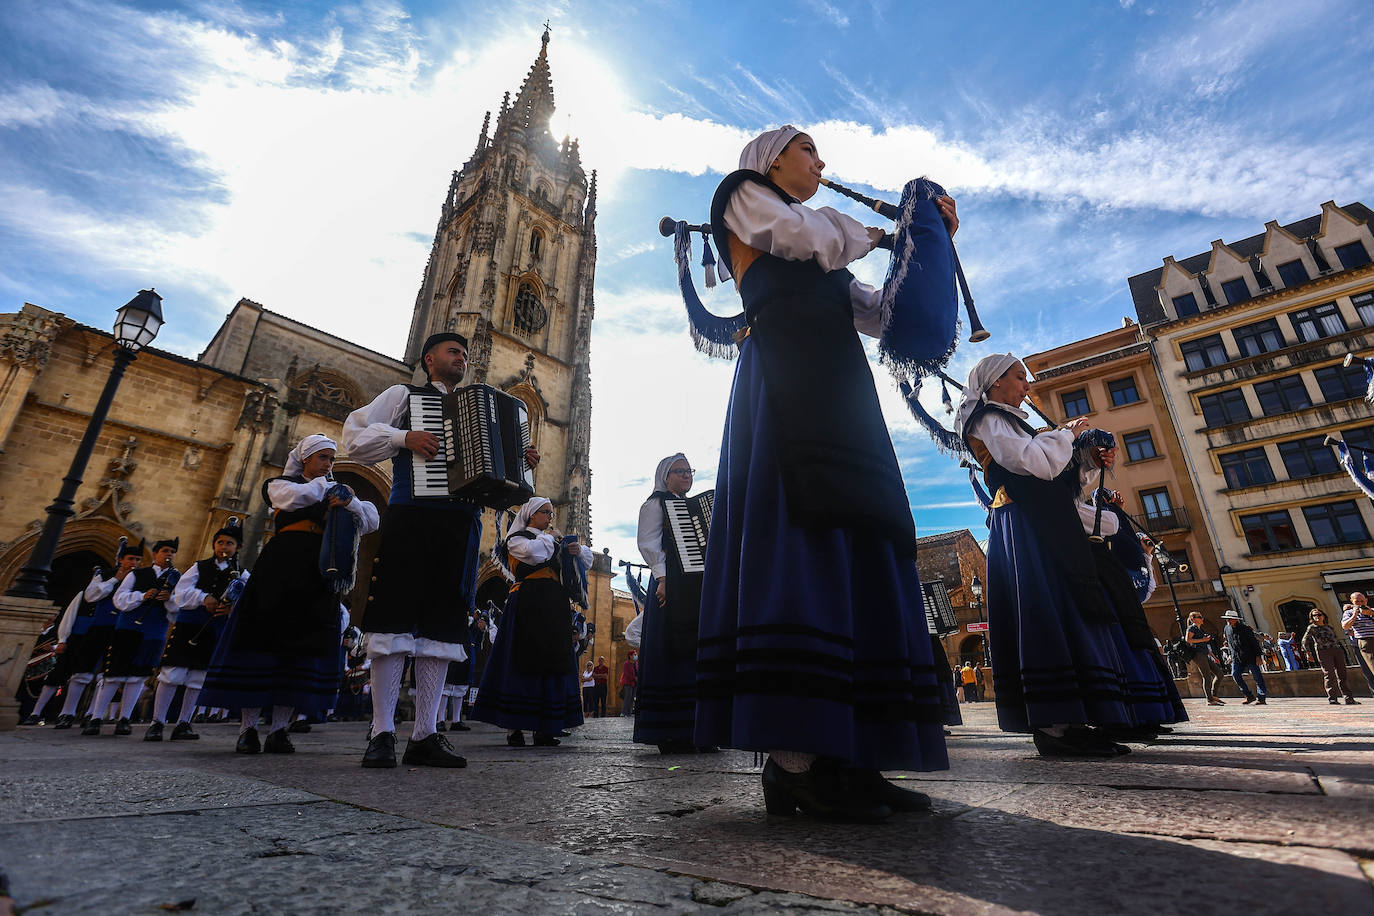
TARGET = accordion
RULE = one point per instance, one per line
(689, 521)
(483, 434)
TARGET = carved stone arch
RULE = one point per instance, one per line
(322, 385)
(529, 314)
(535, 403)
(95, 534)
(1292, 610)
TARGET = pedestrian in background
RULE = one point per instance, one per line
(1290, 655)
(588, 690)
(1246, 651)
(1201, 643)
(629, 677)
(601, 677)
(1358, 621)
(1321, 641)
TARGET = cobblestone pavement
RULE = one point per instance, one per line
(1260, 809)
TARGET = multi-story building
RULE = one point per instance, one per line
(1110, 379)
(948, 564)
(1248, 340)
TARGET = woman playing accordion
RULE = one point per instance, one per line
(813, 644)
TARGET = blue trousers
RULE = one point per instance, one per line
(1237, 674)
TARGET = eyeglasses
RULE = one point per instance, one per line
(687, 471)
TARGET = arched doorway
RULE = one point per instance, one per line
(71, 572)
(972, 650)
(494, 589)
(1294, 614)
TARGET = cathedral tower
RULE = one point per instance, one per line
(512, 270)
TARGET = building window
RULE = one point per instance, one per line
(1269, 531)
(1140, 445)
(1292, 273)
(1235, 290)
(1282, 395)
(530, 314)
(536, 244)
(1260, 337)
(1156, 503)
(1361, 437)
(1075, 403)
(1246, 468)
(1185, 305)
(1352, 255)
(1364, 306)
(1203, 353)
(1123, 391)
(1335, 523)
(1318, 322)
(1340, 383)
(1224, 408)
(1307, 457)
(1181, 558)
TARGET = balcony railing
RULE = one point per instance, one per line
(1172, 520)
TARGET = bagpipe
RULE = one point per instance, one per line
(1356, 462)
(165, 583)
(919, 301)
(1368, 364)
(229, 592)
(572, 569)
(339, 546)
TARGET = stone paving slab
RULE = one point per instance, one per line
(1273, 804)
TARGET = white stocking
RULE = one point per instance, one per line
(132, 691)
(281, 717)
(188, 703)
(792, 761)
(386, 691)
(75, 688)
(248, 718)
(430, 675)
(162, 701)
(44, 696)
(103, 695)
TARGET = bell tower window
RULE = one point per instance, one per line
(530, 314)
(536, 244)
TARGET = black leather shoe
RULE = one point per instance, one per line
(459, 727)
(434, 751)
(1078, 742)
(1263, 701)
(65, 722)
(872, 784)
(92, 727)
(381, 752)
(154, 732)
(299, 727)
(564, 734)
(278, 743)
(516, 739)
(542, 740)
(1132, 734)
(248, 742)
(1351, 701)
(676, 747)
(708, 749)
(184, 732)
(30, 720)
(441, 727)
(819, 793)
(123, 727)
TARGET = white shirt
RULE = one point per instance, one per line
(1044, 456)
(796, 232)
(651, 537)
(99, 588)
(287, 495)
(370, 434)
(533, 551)
(187, 595)
(126, 599)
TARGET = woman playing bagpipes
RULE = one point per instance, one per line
(813, 644)
(530, 682)
(1054, 636)
(281, 645)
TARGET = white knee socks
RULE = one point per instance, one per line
(281, 717)
(103, 695)
(386, 690)
(44, 696)
(132, 691)
(162, 701)
(188, 703)
(75, 687)
(430, 675)
(248, 718)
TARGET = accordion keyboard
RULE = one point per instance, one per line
(430, 478)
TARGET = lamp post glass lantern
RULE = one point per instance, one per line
(136, 325)
(975, 587)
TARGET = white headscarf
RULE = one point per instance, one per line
(766, 147)
(522, 518)
(661, 475)
(988, 370)
(295, 462)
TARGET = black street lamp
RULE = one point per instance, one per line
(136, 324)
(1169, 566)
(975, 588)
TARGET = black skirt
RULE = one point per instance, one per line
(191, 644)
(287, 605)
(424, 576)
(543, 634)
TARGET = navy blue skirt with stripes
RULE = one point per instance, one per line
(513, 697)
(666, 695)
(811, 640)
(1049, 665)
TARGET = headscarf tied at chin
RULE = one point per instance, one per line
(295, 462)
(766, 147)
(661, 474)
(522, 518)
(988, 370)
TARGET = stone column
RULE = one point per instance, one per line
(21, 620)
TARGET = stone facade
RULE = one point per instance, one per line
(1248, 340)
(1110, 379)
(954, 558)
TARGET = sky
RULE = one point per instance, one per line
(297, 154)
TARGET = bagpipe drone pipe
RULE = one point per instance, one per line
(920, 297)
(339, 546)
